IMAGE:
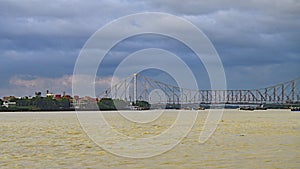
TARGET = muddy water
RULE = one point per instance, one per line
(243, 139)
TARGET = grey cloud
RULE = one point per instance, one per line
(43, 38)
(287, 8)
(22, 85)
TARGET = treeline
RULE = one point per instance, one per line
(65, 104)
(117, 104)
(38, 104)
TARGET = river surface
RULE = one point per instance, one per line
(243, 139)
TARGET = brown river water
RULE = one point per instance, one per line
(243, 139)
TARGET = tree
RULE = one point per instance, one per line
(1, 103)
(144, 105)
(112, 104)
(64, 104)
(106, 104)
(38, 94)
(45, 103)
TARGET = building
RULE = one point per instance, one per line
(7, 98)
(8, 104)
(57, 97)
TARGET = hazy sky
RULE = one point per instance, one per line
(258, 41)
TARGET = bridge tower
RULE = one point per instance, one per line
(134, 87)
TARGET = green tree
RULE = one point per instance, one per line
(1, 107)
(112, 104)
(106, 104)
(45, 103)
(144, 105)
(64, 104)
(24, 102)
(38, 94)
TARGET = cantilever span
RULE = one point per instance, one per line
(138, 87)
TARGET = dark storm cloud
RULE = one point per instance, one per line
(258, 41)
(254, 39)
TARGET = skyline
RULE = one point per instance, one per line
(258, 41)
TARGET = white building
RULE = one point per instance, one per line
(8, 104)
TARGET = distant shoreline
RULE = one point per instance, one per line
(93, 110)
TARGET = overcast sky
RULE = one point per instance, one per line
(258, 41)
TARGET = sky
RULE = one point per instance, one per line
(258, 41)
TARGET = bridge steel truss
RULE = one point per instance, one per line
(137, 87)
